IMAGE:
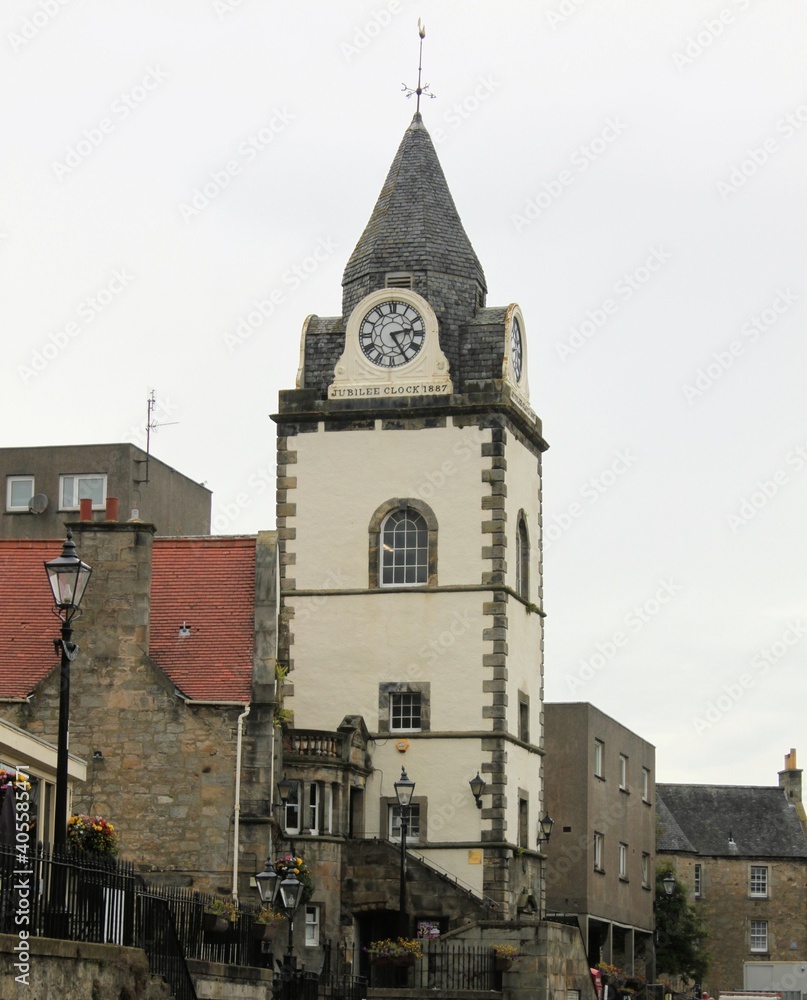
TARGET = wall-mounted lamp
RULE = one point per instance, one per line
(477, 787)
(669, 883)
(545, 824)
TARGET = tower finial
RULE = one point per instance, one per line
(420, 89)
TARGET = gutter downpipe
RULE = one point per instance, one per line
(237, 808)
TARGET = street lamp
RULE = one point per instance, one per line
(477, 787)
(68, 577)
(668, 882)
(404, 788)
(268, 883)
(545, 824)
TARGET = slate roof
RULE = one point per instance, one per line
(207, 582)
(415, 225)
(699, 818)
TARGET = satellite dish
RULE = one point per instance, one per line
(37, 503)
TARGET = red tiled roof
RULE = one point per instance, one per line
(206, 582)
(209, 584)
(27, 624)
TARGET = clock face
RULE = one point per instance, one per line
(392, 334)
(516, 349)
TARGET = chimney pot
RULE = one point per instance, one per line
(85, 509)
(112, 508)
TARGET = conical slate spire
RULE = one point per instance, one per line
(414, 227)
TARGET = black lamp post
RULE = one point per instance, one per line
(668, 882)
(404, 789)
(68, 577)
(545, 824)
(291, 892)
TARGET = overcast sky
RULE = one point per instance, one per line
(631, 172)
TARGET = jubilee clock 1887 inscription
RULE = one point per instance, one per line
(392, 334)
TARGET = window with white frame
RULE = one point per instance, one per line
(759, 881)
(311, 926)
(645, 869)
(313, 807)
(599, 755)
(405, 711)
(759, 935)
(623, 861)
(291, 817)
(19, 490)
(623, 772)
(73, 489)
(598, 851)
(404, 549)
(412, 826)
(645, 784)
(697, 887)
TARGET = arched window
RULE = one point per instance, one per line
(522, 559)
(404, 549)
(403, 544)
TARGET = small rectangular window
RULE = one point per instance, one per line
(599, 754)
(623, 772)
(73, 489)
(645, 870)
(523, 717)
(759, 881)
(404, 711)
(697, 887)
(645, 784)
(412, 827)
(598, 850)
(292, 809)
(759, 935)
(313, 807)
(523, 822)
(19, 490)
(623, 861)
(311, 926)
(399, 280)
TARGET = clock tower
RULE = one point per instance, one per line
(409, 517)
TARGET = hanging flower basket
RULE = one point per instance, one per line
(213, 923)
(503, 964)
(402, 953)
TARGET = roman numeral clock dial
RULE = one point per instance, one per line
(392, 334)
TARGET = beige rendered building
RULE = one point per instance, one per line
(600, 790)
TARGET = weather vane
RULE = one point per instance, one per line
(419, 90)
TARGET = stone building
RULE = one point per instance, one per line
(600, 790)
(742, 854)
(44, 487)
(174, 683)
(409, 527)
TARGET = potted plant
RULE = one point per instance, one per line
(403, 952)
(266, 923)
(291, 865)
(92, 835)
(503, 956)
(218, 915)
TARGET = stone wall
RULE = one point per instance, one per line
(160, 769)
(73, 970)
(726, 909)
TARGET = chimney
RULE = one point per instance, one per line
(790, 778)
(85, 509)
(112, 508)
